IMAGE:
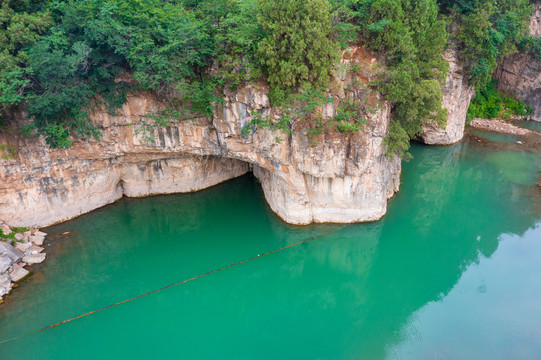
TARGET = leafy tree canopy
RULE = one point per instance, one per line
(297, 48)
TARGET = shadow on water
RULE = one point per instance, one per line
(348, 295)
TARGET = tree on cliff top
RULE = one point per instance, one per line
(21, 24)
(297, 48)
(160, 43)
(412, 38)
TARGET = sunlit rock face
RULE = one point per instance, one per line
(457, 95)
(333, 177)
(520, 74)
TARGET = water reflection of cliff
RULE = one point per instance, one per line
(366, 281)
(350, 293)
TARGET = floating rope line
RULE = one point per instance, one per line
(176, 284)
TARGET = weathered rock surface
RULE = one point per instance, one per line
(11, 252)
(23, 246)
(5, 280)
(457, 95)
(329, 178)
(18, 272)
(5, 263)
(535, 21)
(38, 240)
(520, 74)
(34, 259)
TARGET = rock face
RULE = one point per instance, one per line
(535, 21)
(457, 95)
(327, 178)
(520, 74)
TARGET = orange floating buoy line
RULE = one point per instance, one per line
(175, 284)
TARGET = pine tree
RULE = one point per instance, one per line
(297, 48)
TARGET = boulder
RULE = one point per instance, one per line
(5, 263)
(40, 233)
(26, 235)
(33, 250)
(8, 250)
(38, 240)
(19, 237)
(24, 246)
(18, 272)
(4, 278)
(34, 259)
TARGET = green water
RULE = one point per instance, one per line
(532, 125)
(496, 137)
(452, 272)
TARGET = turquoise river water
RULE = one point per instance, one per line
(453, 271)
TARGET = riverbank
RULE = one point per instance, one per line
(501, 126)
(19, 247)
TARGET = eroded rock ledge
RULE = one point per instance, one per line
(330, 178)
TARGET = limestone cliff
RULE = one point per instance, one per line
(330, 178)
(520, 74)
(457, 95)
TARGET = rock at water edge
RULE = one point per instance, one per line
(34, 259)
(38, 240)
(5, 263)
(18, 272)
(8, 250)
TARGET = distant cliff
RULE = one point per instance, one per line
(520, 74)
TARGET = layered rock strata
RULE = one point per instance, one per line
(335, 177)
(457, 94)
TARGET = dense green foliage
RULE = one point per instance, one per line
(162, 45)
(412, 38)
(21, 24)
(64, 57)
(490, 104)
(297, 49)
(488, 31)
(533, 44)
